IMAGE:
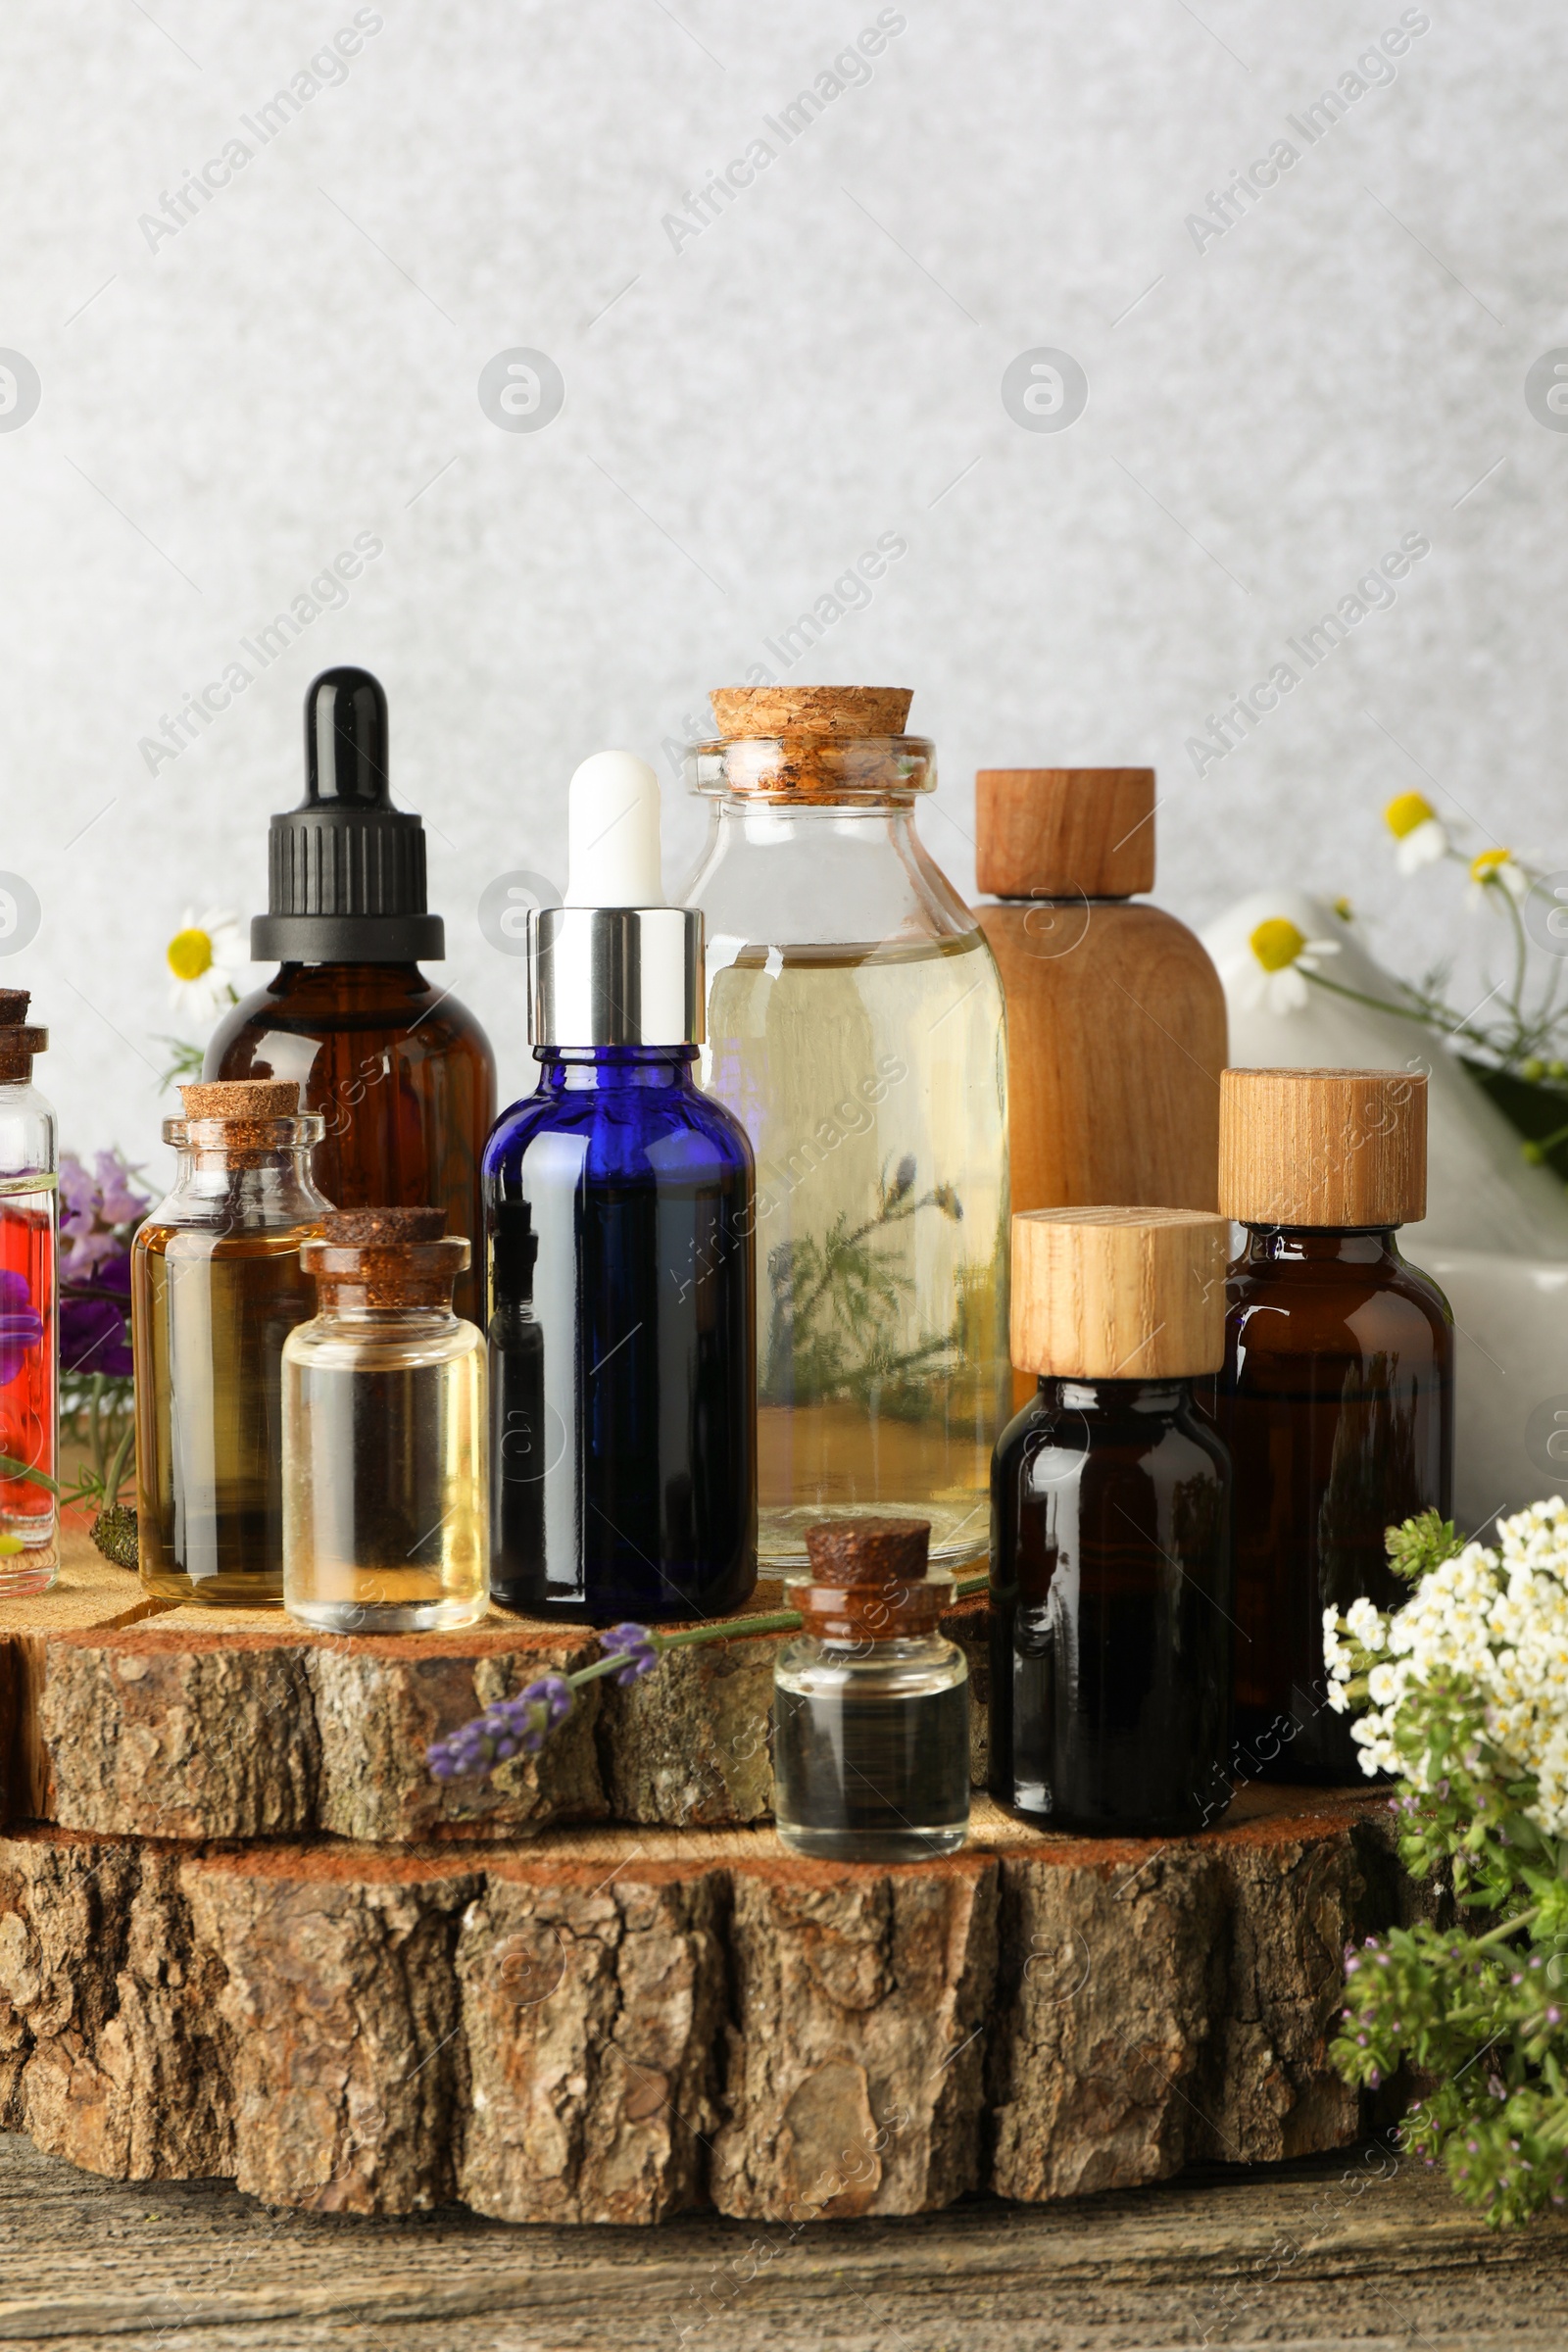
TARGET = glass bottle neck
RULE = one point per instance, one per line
(1116, 1399)
(599, 1069)
(262, 1188)
(1311, 1245)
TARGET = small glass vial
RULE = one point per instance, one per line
(385, 1511)
(1111, 1600)
(216, 1287)
(870, 1701)
(1337, 1396)
(29, 1328)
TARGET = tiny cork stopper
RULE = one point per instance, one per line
(1334, 1149)
(1052, 832)
(1118, 1294)
(242, 1099)
(361, 1225)
(775, 711)
(384, 1257)
(868, 1552)
(17, 1042)
(868, 1581)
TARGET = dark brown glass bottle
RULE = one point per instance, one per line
(400, 1072)
(1336, 1397)
(1111, 1574)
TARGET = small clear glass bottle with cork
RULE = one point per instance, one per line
(216, 1287)
(1110, 1578)
(29, 1162)
(385, 1505)
(1337, 1393)
(870, 1701)
(855, 1029)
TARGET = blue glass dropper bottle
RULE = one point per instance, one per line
(618, 1206)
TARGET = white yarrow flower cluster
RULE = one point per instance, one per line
(1500, 1619)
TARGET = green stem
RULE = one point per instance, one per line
(116, 1467)
(1510, 1927)
(1429, 1017)
(94, 1426)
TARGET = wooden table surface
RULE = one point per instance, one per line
(1331, 2251)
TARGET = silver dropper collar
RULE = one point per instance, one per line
(615, 976)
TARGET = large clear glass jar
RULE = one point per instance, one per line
(856, 1028)
(216, 1287)
(30, 1163)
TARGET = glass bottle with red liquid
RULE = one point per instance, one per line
(30, 1163)
(402, 1073)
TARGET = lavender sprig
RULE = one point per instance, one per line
(520, 1726)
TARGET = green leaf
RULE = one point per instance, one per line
(10, 1467)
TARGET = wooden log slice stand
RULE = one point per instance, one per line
(243, 1934)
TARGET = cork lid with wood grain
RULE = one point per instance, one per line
(869, 1580)
(812, 744)
(1334, 1149)
(241, 1098)
(384, 1257)
(18, 1041)
(1118, 1294)
(1054, 832)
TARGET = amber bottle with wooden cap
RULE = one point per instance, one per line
(1110, 1577)
(216, 1287)
(855, 1030)
(870, 1701)
(1336, 1395)
(385, 1502)
(1115, 1014)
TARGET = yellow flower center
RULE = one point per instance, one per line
(1344, 910)
(190, 953)
(1483, 867)
(1403, 815)
(1277, 943)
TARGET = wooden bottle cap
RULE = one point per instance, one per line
(242, 1099)
(1050, 832)
(869, 1580)
(775, 711)
(1118, 1294)
(1331, 1148)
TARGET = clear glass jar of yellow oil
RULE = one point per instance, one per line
(385, 1503)
(856, 1028)
(216, 1287)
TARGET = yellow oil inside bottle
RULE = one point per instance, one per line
(872, 1085)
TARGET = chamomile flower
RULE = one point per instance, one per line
(1270, 969)
(1418, 830)
(203, 955)
(1495, 870)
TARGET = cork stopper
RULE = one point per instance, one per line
(1053, 832)
(773, 711)
(19, 1043)
(1118, 1294)
(248, 1099)
(1330, 1148)
(814, 743)
(361, 1225)
(384, 1257)
(869, 1580)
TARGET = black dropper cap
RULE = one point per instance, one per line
(346, 870)
(515, 1247)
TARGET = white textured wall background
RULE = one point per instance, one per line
(221, 415)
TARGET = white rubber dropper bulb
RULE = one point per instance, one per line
(612, 855)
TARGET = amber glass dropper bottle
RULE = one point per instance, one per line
(1336, 1395)
(402, 1073)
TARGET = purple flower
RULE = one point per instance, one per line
(636, 1644)
(512, 1726)
(20, 1324)
(119, 1203)
(95, 1320)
